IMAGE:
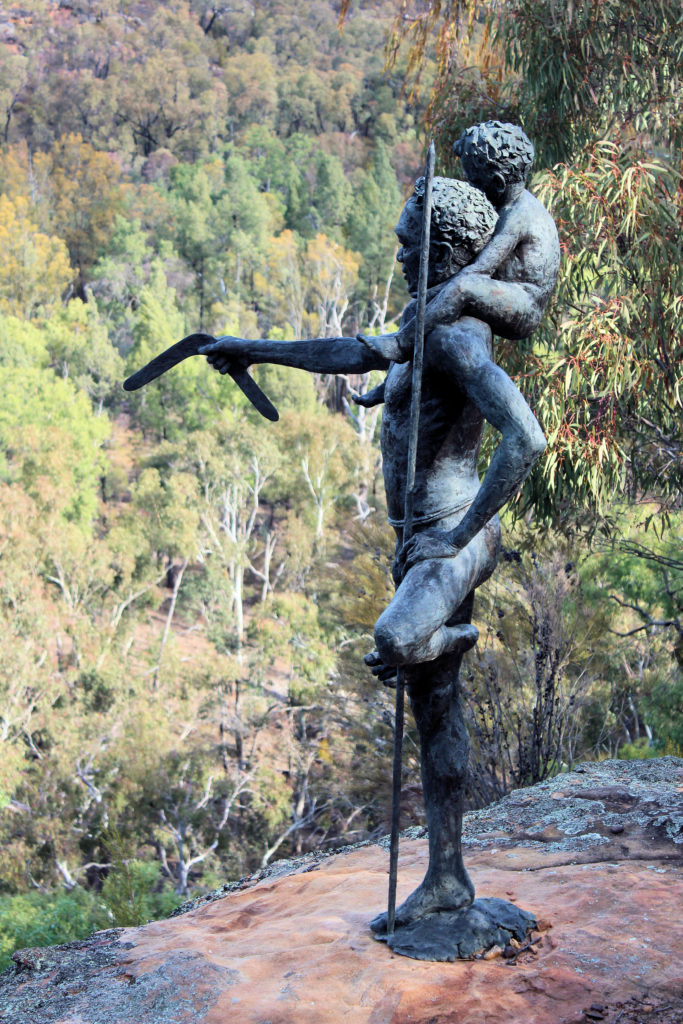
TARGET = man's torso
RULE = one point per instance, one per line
(449, 438)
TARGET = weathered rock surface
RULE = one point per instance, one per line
(597, 855)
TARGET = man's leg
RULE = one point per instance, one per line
(416, 627)
(435, 700)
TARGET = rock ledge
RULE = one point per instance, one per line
(596, 854)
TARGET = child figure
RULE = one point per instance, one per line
(509, 283)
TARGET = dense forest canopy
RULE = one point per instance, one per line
(186, 592)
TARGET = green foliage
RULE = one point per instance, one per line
(80, 349)
(603, 372)
(663, 711)
(175, 399)
(643, 569)
(371, 220)
(132, 891)
(641, 750)
(582, 69)
(570, 76)
(119, 277)
(539, 657)
(608, 386)
(131, 895)
(51, 441)
(162, 598)
(22, 344)
(291, 622)
(45, 919)
(289, 390)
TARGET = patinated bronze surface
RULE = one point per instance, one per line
(493, 259)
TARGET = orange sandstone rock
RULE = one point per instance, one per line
(296, 949)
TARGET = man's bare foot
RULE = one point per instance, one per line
(427, 899)
(393, 347)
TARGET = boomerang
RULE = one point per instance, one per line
(190, 346)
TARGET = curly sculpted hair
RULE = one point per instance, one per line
(462, 217)
(493, 147)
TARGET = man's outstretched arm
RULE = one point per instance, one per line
(460, 352)
(319, 355)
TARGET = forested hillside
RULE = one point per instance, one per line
(186, 591)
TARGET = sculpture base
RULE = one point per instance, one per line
(457, 935)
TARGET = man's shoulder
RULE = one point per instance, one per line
(465, 344)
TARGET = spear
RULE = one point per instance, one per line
(416, 398)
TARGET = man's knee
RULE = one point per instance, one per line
(395, 643)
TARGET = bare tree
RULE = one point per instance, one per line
(524, 687)
(178, 823)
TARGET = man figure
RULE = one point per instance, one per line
(456, 531)
(510, 282)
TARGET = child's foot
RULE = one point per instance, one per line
(393, 347)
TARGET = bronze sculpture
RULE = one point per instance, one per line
(492, 264)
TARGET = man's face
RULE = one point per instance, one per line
(409, 233)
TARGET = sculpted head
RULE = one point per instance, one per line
(495, 156)
(462, 222)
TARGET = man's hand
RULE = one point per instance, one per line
(398, 348)
(225, 352)
(367, 401)
(423, 546)
(385, 673)
(371, 398)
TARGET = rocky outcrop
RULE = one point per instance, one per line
(597, 855)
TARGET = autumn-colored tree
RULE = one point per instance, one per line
(83, 194)
(143, 80)
(35, 270)
(333, 272)
(251, 84)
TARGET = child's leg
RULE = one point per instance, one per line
(511, 310)
(415, 627)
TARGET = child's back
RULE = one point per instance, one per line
(510, 282)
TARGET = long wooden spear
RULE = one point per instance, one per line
(416, 398)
